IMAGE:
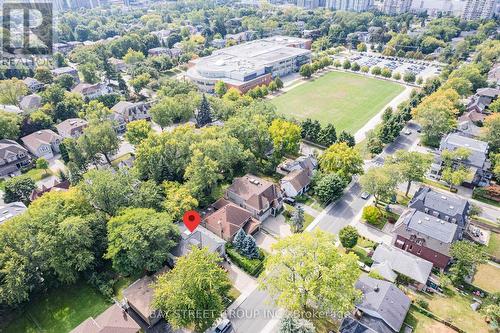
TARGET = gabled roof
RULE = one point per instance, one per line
(298, 179)
(351, 325)
(64, 70)
(113, 320)
(231, 219)
(445, 204)
(389, 257)
(200, 237)
(86, 88)
(9, 148)
(383, 300)
(36, 139)
(488, 92)
(121, 106)
(70, 125)
(30, 102)
(256, 192)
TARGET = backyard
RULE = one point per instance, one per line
(347, 100)
(487, 277)
(423, 324)
(60, 310)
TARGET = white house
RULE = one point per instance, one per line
(295, 183)
(44, 143)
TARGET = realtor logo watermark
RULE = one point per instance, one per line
(27, 28)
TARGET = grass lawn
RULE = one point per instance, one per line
(38, 174)
(493, 247)
(456, 309)
(60, 310)
(487, 277)
(347, 100)
(289, 211)
(424, 324)
(119, 159)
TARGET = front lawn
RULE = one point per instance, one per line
(288, 215)
(423, 324)
(345, 99)
(487, 277)
(38, 174)
(60, 310)
(493, 247)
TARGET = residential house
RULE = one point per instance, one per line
(482, 99)
(448, 207)
(156, 51)
(58, 186)
(494, 75)
(13, 157)
(382, 309)
(260, 197)
(91, 91)
(389, 262)
(218, 43)
(308, 163)
(114, 320)
(62, 47)
(14, 109)
(66, 70)
(71, 128)
(199, 238)
(44, 143)
(469, 124)
(295, 183)
(228, 219)
(138, 299)
(10, 210)
(30, 103)
(477, 162)
(175, 52)
(118, 64)
(33, 84)
(244, 36)
(132, 111)
(426, 236)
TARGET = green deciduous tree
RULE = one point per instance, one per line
(100, 138)
(9, 125)
(346, 137)
(290, 323)
(348, 237)
(381, 182)
(286, 137)
(467, 256)
(137, 131)
(11, 91)
(180, 302)
(306, 71)
(140, 239)
(42, 164)
(328, 187)
(220, 88)
(18, 189)
(491, 132)
(341, 159)
(308, 272)
(43, 74)
(372, 214)
(178, 200)
(411, 165)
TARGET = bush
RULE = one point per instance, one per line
(372, 214)
(252, 266)
(422, 303)
(348, 236)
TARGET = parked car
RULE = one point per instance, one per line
(407, 132)
(224, 327)
(365, 195)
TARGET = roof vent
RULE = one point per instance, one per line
(419, 222)
(39, 132)
(443, 197)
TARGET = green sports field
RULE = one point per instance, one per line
(347, 100)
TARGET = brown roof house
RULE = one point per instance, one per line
(227, 220)
(13, 157)
(71, 128)
(114, 320)
(58, 186)
(295, 183)
(260, 197)
(92, 91)
(132, 111)
(43, 143)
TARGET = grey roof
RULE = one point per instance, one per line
(446, 204)
(201, 237)
(437, 234)
(383, 300)
(478, 149)
(432, 226)
(10, 210)
(9, 147)
(489, 92)
(402, 262)
(351, 325)
(30, 102)
(64, 70)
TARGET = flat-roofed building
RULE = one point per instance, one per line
(251, 64)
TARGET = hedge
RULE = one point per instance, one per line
(252, 266)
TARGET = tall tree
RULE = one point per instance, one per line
(467, 256)
(102, 138)
(286, 137)
(11, 91)
(381, 182)
(203, 116)
(291, 323)
(341, 159)
(346, 137)
(348, 237)
(328, 187)
(10, 124)
(140, 240)
(180, 302)
(411, 165)
(308, 272)
(137, 131)
(178, 199)
(491, 132)
(18, 189)
(327, 136)
(297, 219)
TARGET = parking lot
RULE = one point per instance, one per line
(420, 68)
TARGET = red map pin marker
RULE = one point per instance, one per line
(191, 219)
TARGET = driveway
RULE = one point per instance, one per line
(277, 226)
(264, 240)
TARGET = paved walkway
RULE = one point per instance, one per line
(309, 210)
(372, 123)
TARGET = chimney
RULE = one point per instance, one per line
(376, 289)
